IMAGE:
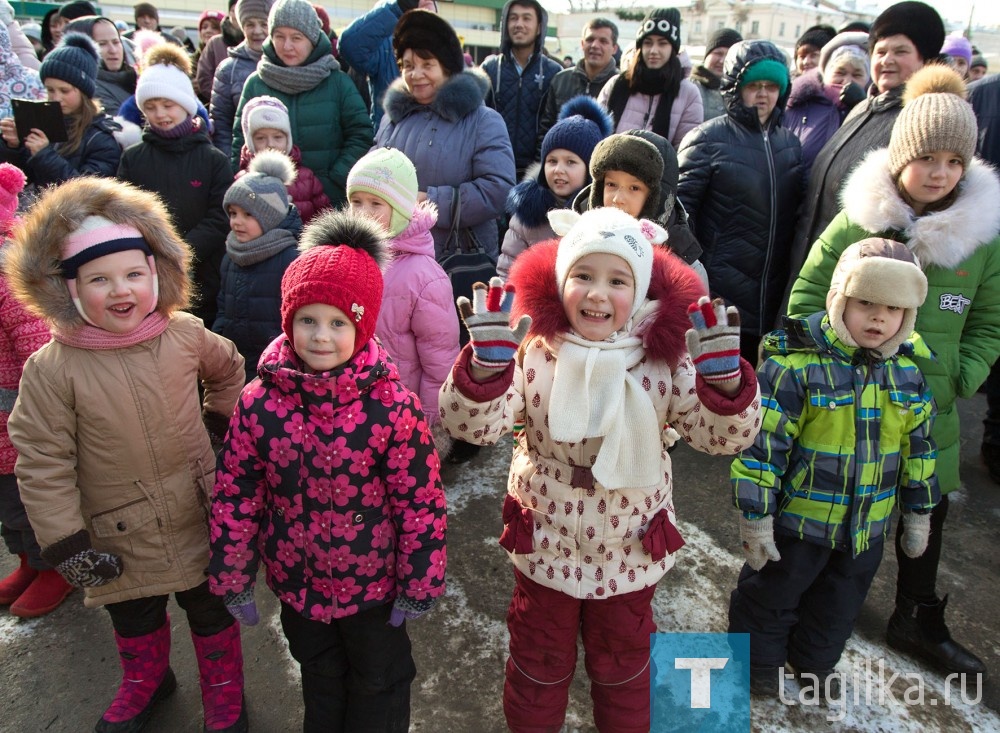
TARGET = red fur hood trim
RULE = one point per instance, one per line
(673, 284)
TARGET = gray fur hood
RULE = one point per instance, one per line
(459, 96)
(943, 238)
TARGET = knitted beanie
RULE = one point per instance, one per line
(958, 46)
(917, 21)
(722, 38)
(340, 265)
(265, 112)
(297, 14)
(32, 31)
(664, 22)
(881, 271)
(582, 124)
(634, 156)
(935, 117)
(766, 70)
(12, 182)
(388, 174)
(77, 9)
(73, 61)
(607, 230)
(247, 9)
(978, 60)
(167, 75)
(423, 30)
(214, 15)
(816, 36)
(263, 191)
(140, 9)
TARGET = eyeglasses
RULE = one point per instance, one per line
(661, 26)
(763, 86)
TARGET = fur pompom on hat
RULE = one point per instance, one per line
(917, 21)
(167, 75)
(388, 174)
(582, 124)
(297, 14)
(634, 156)
(880, 271)
(935, 117)
(340, 265)
(12, 182)
(422, 30)
(73, 61)
(263, 191)
(265, 112)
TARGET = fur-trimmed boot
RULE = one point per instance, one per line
(146, 679)
(919, 629)
(220, 667)
(17, 582)
(45, 594)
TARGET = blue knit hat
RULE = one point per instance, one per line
(73, 61)
(582, 124)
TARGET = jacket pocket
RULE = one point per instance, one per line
(133, 532)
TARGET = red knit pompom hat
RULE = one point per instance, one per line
(11, 184)
(340, 265)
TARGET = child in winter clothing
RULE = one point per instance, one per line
(35, 588)
(266, 126)
(607, 307)
(114, 460)
(928, 189)
(418, 324)
(262, 244)
(17, 81)
(845, 428)
(351, 554)
(566, 150)
(177, 160)
(69, 74)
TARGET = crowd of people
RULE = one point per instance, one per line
(255, 242)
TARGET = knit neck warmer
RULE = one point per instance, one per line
(185, 127)
(257, 250)
(98, 339)
(598, 397)
(295, 79)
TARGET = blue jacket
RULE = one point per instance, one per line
(366, 44)
(227, 87)
(98, 155)
(519, 95)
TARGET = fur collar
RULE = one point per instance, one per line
(529, 201)
(943, 238)
(807, 88)
(459, 96)
(674, 285)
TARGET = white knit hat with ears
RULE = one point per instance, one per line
(607, 231)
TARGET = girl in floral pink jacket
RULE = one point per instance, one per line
(329, 475)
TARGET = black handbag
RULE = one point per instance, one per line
(465, 260)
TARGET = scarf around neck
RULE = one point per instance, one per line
(257, 250)
(651, 82)
(296, 79)
(98, 339)
(598, 397)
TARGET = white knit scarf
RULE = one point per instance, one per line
(594, 395)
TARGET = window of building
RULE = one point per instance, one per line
(798, 31)
(755, 28)
(781, 31)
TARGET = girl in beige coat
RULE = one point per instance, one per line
(115, 459)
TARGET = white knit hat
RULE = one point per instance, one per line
(166, 81)
(606, 230)
(265, 112)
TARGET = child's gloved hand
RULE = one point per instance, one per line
(714, 342)
(405, 609)
(80, 564)
(758, 541)
(242, 607)
(916, 533)
(493, 341)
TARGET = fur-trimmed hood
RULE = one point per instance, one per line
(530, 201)
(807, 88)
(460, 95)
(35, 254)
(943, 238)
(673, 284)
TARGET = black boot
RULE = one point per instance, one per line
(919, 629)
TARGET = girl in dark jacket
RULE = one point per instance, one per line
(177, 160)
(70, 77)
(741, 182)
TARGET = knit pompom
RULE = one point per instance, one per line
(589, 109)
(273, 163)
(934, 79)
(12, 178)
(168, 53)
(145, 40)
(81, 41)
(344, 228)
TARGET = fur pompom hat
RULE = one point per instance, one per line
(167, 75)
(917, 21)
(12, 182)
(263, 191)
(935, 117)
(340, 265)
(881, 271)
(582, 124)
(634, 156)
(73, 61)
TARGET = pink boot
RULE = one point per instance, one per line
(146, 679)
(17, 582)
(220, 665)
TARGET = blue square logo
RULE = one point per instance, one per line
(700, 682)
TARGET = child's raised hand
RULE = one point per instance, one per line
(714, 342)
(757, 536)
(242, 607)
(493, 341)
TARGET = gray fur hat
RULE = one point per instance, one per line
(634, 156)
(262, 191)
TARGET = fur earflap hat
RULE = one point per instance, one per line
(634, 156)
(935, 117)
(917, 21)
(340, 265)
(582, 124)
(881, 271)
(167, 75)
(73, 61)
(422, 30)
(263, 192)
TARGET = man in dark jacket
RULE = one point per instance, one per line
(520, 75)
(600, 44)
